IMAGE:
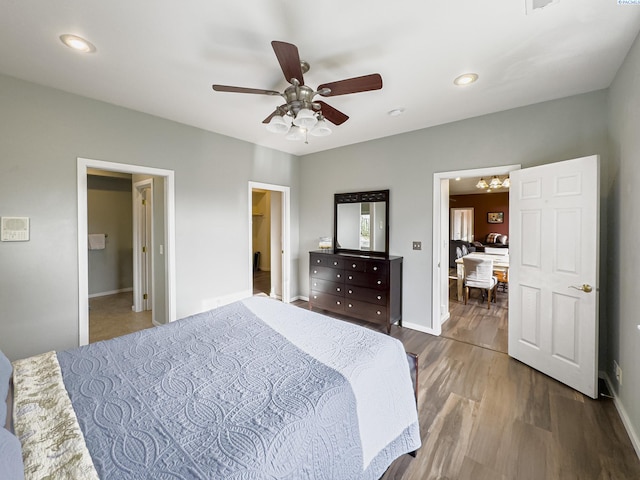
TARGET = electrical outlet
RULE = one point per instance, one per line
(618, 372)
(417, 245)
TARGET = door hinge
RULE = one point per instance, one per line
(144, 297)
(144, 202)
(144, 249)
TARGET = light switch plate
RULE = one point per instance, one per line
(417, 245)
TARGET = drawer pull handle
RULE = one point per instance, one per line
(350, 277)
(338, 289)
(350, 306)
(354, 265)
(315, 284)
(335, 263)
(315, 296)
(379, 312)
(350, 291)
(375, 269)
(379, 282)
(379, 297)
(318, 261)
(338, 275)
(338, 303)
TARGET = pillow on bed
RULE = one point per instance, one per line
(11, 466)
(5, 375)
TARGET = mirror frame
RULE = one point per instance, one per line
(360, 197)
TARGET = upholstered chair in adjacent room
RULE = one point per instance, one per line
(478, 273)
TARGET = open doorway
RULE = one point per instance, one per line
(152, 227)
(469, 220)
(269, 227)
(113, 226)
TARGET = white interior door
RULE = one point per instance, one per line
(553, 279)
(142, 245)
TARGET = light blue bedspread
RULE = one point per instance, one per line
(220, 395)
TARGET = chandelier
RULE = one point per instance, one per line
(300, 116)
(494, 183)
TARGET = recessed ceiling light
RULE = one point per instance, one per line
(77, 43)
(395, 112)
(466, 79)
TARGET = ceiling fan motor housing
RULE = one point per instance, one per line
(299, 97)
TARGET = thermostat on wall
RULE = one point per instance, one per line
(14, 229)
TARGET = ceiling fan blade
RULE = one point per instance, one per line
(353, 85)
(289, 60)
(334, 116)
(258, 91)
(277, 111)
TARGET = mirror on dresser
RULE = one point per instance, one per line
(361, 223)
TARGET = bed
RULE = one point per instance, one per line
(253, 390)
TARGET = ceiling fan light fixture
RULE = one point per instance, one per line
(296, 133)
(305, 118)
(277, 124)
(321, 129)
(482, 184)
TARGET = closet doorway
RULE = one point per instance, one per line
(269, 243)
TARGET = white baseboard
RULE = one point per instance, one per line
(111, 292)
(633, 435)
(300, 297)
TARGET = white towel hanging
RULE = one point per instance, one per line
(97, 241)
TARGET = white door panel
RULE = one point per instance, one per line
(553, 324)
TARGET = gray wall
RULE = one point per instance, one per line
(109, 210)
(43, 132)
(542, 133)
(623, 229)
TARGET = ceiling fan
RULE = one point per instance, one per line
(301, 114)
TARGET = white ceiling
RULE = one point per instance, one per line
(162, 56)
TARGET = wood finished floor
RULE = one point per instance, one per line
(486, 416)
(474, 323)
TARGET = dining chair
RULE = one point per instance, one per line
(478, 273)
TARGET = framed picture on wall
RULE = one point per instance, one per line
(495, 217)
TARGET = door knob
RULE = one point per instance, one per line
(586, 288)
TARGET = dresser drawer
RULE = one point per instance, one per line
(325, 260)
(326, 286)
(366, 311)
(326, 301)
(366, 280)
(327, 273)
(369, 295)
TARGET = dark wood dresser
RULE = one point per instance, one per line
(363, 287)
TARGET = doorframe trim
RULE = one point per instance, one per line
(83, 256)
(286, 234)
(440, 243)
